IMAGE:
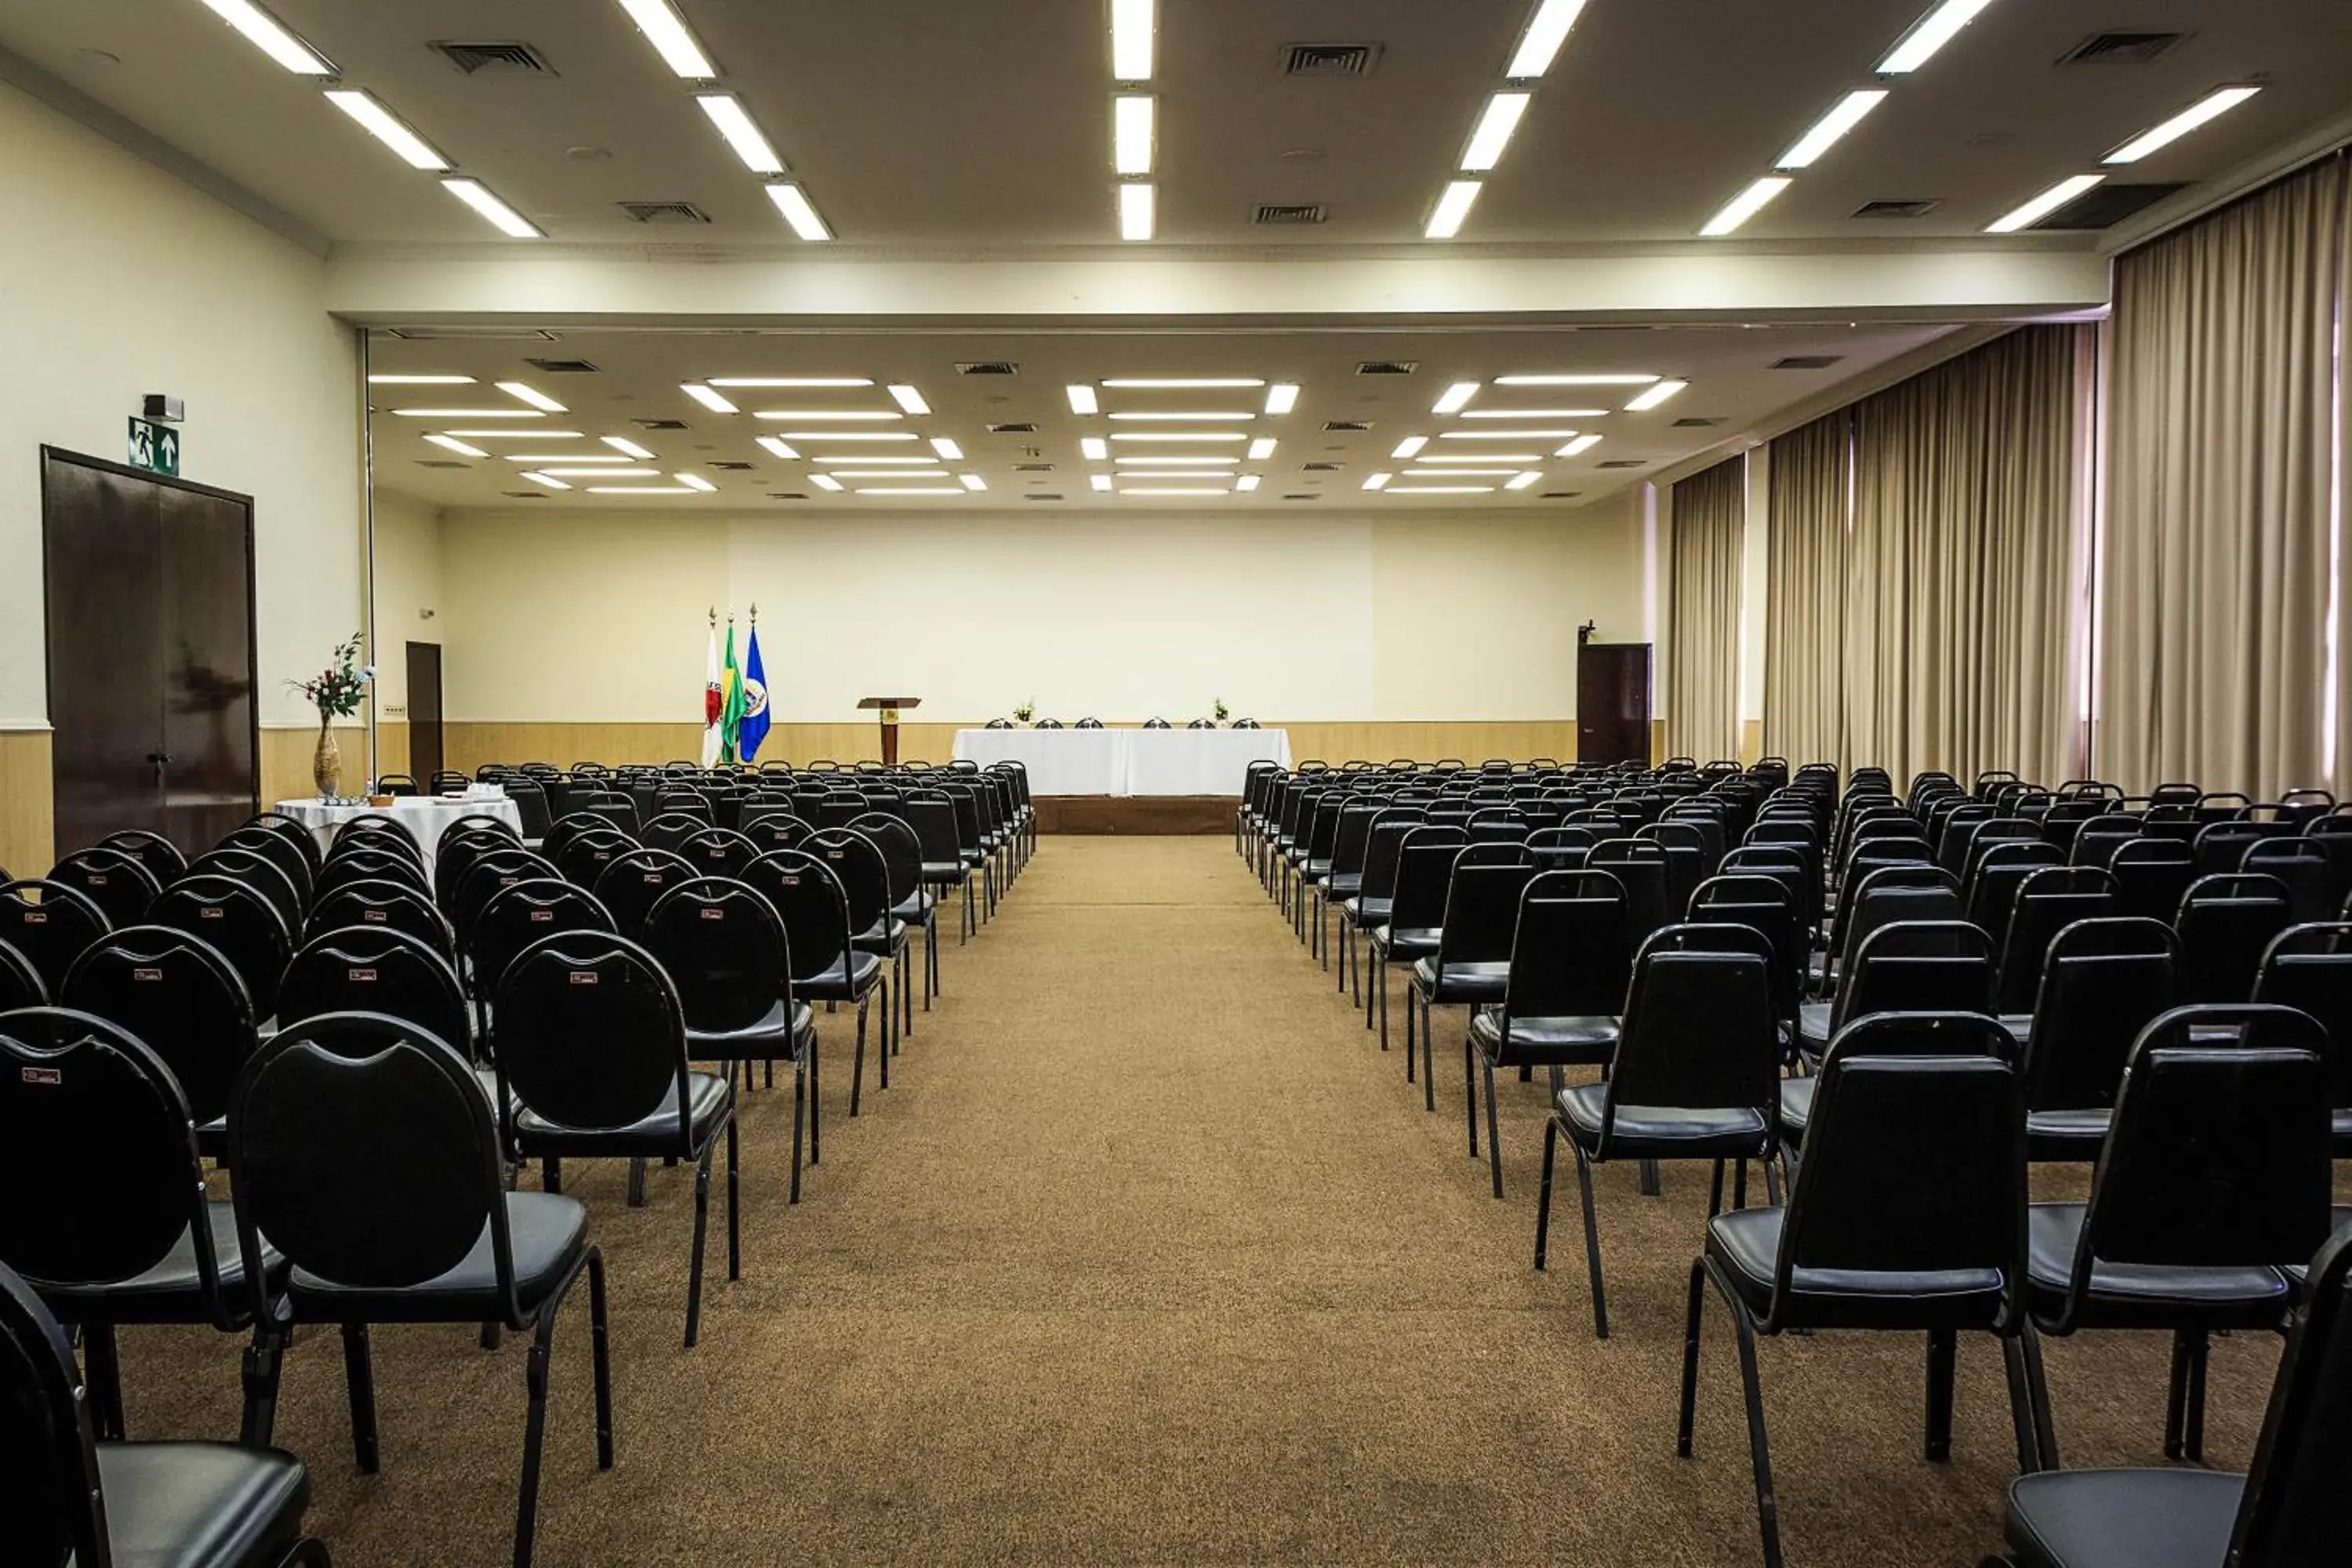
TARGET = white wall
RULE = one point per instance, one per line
(118, 279)
(408, 584)
(584, 618)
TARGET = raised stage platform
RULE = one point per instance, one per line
(1140, 815)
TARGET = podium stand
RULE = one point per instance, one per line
(888, 707)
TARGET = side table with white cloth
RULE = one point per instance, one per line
(426, 816)
(1189, 763)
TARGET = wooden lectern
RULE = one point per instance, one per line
(889, 708)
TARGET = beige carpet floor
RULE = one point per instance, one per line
(1150, 1255)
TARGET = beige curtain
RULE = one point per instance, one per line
(1956, 632)
(2215, 576)
(1805, 596)
(1710, 514)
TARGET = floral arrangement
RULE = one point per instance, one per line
(336, 691)
(1218, 710)
(1027, 711)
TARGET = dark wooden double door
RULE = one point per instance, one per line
(150, 653)
(1612, 702)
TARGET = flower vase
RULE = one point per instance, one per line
(327, 762)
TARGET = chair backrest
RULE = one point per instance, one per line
(1893, 895)
(2222, 846)
(2293, 1511)
(585, 853)
(372, 831)
(587, 1031)
(365, 863)
(1698, 1034)
(902, 852)
(1425, 874)
(1482, 910)
(489, 872)
(2047, 899)
(808, 898)
(670, 829)
(116, 881)
(1640, 866)
(260, 873)
(1572, 949)
(2103, 982)
(296, 858)
(520, 916)
(20, 983)
(2301, 865)
(1383, 845)
(51, 924)
(2309, 967)
(2096, 840)
(56, 1505)
(378, 970)
(243, 925)
(857, 860)
(2151, 874)
(1913, 1163)
(454, 857)
(635, 880)
(722, 945)
(718, 851)
(2225, 924)
(430, 1185)
(1916, 966)
(1788, 864)
(1763, 905)
(178, 996)
(1997, 870)
(155, 852)
(396, 906)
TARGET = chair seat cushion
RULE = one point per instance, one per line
(1346, 884)
(709, 1100)
(775, 1035)
(1406, 942)
(845, 981)
(1314, 870)
(2142, 1295)
(1796, 1106)
(1746, 1245)
(2065, 1134)
(2123, 1519)
(1813, 1025)
(549, 1233)
(915, 909)
(1476, 981)
(1562, 1041)
(950, 871)
(1666, 1131)
(171, 1291)
(201, 1505)
(1367, 912)
(884, 936)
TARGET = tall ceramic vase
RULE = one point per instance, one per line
(327, 762)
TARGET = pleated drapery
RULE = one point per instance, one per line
(1804, 718)
(1709, 517)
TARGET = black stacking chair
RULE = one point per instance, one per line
(490, 871)
(1571, 956)
(128, 1237)
(1901, 966)
(589, 1040)
(20, 982)
(1367, 908)
(1998, 871)
(671, 830)
(454, 857)
(933, 815)
(1640, 866)
(570, 826)
(158, 854)
(421, 1231)
(585, 852)
(2225, 924)
(2103, 981)
(2096, 841)
(1762, 904)
(262, 874)
(718, 851)
(286, 846)
(633, 881)
(2046, 901)
(375, 832)
(2300, 866)
(181, 998)
(857, 864)
(49, 924)
(238, 922)
(2309, 967)
(520, 917)
(2151, 877)
(531, 804)
(1906, 1213)
(1416, 909)
(1343, 876)
(113, 880)
(1693, 1077)
(722, 945)
(826, 965)
(395, 906)
(911, 905)
(1472, 965)
(383, 970)
(369, 865)
(2213, 1180)
(2288, 1510)
(96, 1504)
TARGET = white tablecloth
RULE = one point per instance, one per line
(1128, 761)
(426, 817)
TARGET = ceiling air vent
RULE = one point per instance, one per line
(1918, 207)
(472, 334)
(2103, 206)
(1298, 214)
(1625, 463)
(1041, 495)
(1804, 361)
(1033, 467)
(1019, 427)
(734, 467)
(2120, 48)
(441, 463)
(787, 495)
(665, 212)
(493, 60)
(524, 495)
(1346, 425)
(1561, 495)
(562, 366)
(1329, 59)
(987, 367)
(1697, 424)
(1302, 495)
(1388, 367)
(659, 423)
(1320, 467)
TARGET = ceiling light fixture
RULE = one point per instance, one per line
(627, 447)
(1171, 459)
(1409, 446)
(911, 490)
(774, 448)
(1533, 413)
(1481, 457)
(1531, 477)
(1841, 117)
(1081, 398)
(1442, 491)
(2042, 205)
(603, 473)
(450, 443)
(614, 457)
(829, 416)
(1539, 45)
(1446, 218)
(1377, 481)
(825, 481)
(1095, 448)
(1745, 205)
(1131, 133)
(271, 36)
(707, 398)
(948, 451)
(1456, 397)
(1137, 217)
(1611, 379)
(1130, 475)
(1098, 482)
(1178, 491)
(523, 392)
(1176, 435)
(973, 482)
(1197, 384)
(800, 213)
(869, 461)
(1504, 434)
(2210, 107)
(387, 128)
(908, 398)
(469, 414)
(1133, 24)
(671, 39)
(502, 217)
(890, 473)
(799, 381)
(546, 483)
(1261, 449)
(639, 491)
(734, 123)
(420, 381)
(1459, 473)
(511, 435)
(1577, 447)
(1658, 393)
(1281, 397)
(695, 483)
(1218, 416)
(1246, 483)
(847, 435)
(1493, 134)
(1928, 35)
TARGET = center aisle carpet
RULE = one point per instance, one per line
(1150, 1255)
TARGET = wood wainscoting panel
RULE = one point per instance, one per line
(1471, 740)
(28, 825)
(286, 756)
(391, 747)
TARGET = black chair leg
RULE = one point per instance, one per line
(1410, 990)
(2022, 1416)
(1543, 1192)
(1592, 1243)
(1943, 1358)
(694, 1270)
(1693, 1314)
(601, 1351)
(815, 1099)
(102, 1370)
(883, 1054)
(534, 1439)
(1428, 1068)
(857, 1068)
(2176, 1395)
(1493, 1137)
(637, 1183)
(1470, 1089)
(800, 1118)
(734, 1216)
(262, 1359)
(1767, 1510)
(1380, 989)
(359, 1380)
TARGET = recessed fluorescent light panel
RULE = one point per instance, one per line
(619, 472)
(1176, 491)
(1081, 398)
(1745, 205)
(973, 482)
(1172, 459)
(523, 392)
(1539, 45)
(450, 443)
(469, 414)
(734, 123)
(947, 449)
(909, 490)
(890, 473)
(695, 483)
(1929, 34)
(671, 39)
(627, 447)
(1095, 448)
(1175, 436)
(707, 398)
(1456, 397)
(1658, 393)
(2210, 107)
(2042, 205)
(612, 459)
(783, 449)
(835, 382)
(1604, 380)
(1459, 473)
(420, 381)
(1281, 397)
(1197, 384)
(1481, 457)
(1504, 434)
(502, 217)
(1453, 208)
(1246, 482)
(800, 214)
(1131, 132)
(1442, 491)
(1533, 413)
(1409, 446)
(1098, 482)
(825, 481)
(1215, 416)
(1841, 118)
(1377, 481)
(1531, 477)
(870, 460)
(545, 483)
(1261, 449)
(1577, 447)
(908, 398)
(847, 435)
(639, 491)
(830, 416)
(533, 435)
(1137, 211)
(1493, 131)
(267, 33)
(1133, 28)
(1192, 475)
(387, 128)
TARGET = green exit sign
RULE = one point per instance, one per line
(154, 447)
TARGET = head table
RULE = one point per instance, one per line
(1129, 762)
(426, 816)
